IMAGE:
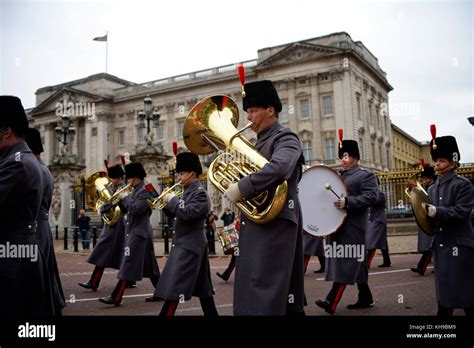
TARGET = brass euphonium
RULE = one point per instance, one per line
(106, 195)
(211, 125)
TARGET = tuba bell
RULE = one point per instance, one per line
(211, 126)
(91, 194)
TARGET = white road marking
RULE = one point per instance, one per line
(386, 272)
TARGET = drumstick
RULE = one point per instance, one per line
(327, 186)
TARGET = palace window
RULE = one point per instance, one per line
(327, 105)
(304, 108)
(307, 150)
(330, 146)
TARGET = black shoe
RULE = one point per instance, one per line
(326, 305)
(385, 265)
(153, 299)
(321, 270)
(417, 270)
(131, 285)
(87, 286)
(359, 305)
(109, 300)
(222, 276)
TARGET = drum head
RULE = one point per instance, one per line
(320, 217)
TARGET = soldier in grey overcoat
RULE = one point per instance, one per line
(108, 252)
(269, 275)
(187, 270)
(377, 231)
(345, 249)
(314, 246)
(139, 259)
(425, 241)
(24, 280)
(452, 198)
(43, 233)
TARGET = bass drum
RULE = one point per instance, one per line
(317, 193)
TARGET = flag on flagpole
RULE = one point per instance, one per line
(104, 39)
(101, 38)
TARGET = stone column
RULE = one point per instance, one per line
(88, 140)
(47, 130)
(102, 146)
(318, 141)
(63, 207)
(292, 114)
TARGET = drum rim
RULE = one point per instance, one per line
(321, 165)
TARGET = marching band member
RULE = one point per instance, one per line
(424, 240)
(187, 270)
(269, 274)
(349, 269)
(44, 236)
(453, 244)
(24, 286)
(139, 253)
(108, 252)
(377, 230)
(314, 246)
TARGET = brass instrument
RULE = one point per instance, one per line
(104, 190)
(91, 194)
(418, 196)
(159, 200)
(211, 125)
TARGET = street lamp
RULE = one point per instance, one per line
(144, 118)
(65, 132)
(64, 135)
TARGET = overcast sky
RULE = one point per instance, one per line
(426, 48)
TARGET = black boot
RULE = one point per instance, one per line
(169, 308)
(222, 276)
(94, 282)
(117, 294)
(333, 298)
(87, 285)
(208, 306)
(322, 262)
(365, 299)
(386, 258)
(131, 284)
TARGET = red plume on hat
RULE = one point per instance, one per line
(340, 134)
(433, 135)
(175, 148)
(422, 163)
(241, 72)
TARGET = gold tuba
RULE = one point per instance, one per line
(211, 125)
(106, 195)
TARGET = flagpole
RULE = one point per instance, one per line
(106, 50)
